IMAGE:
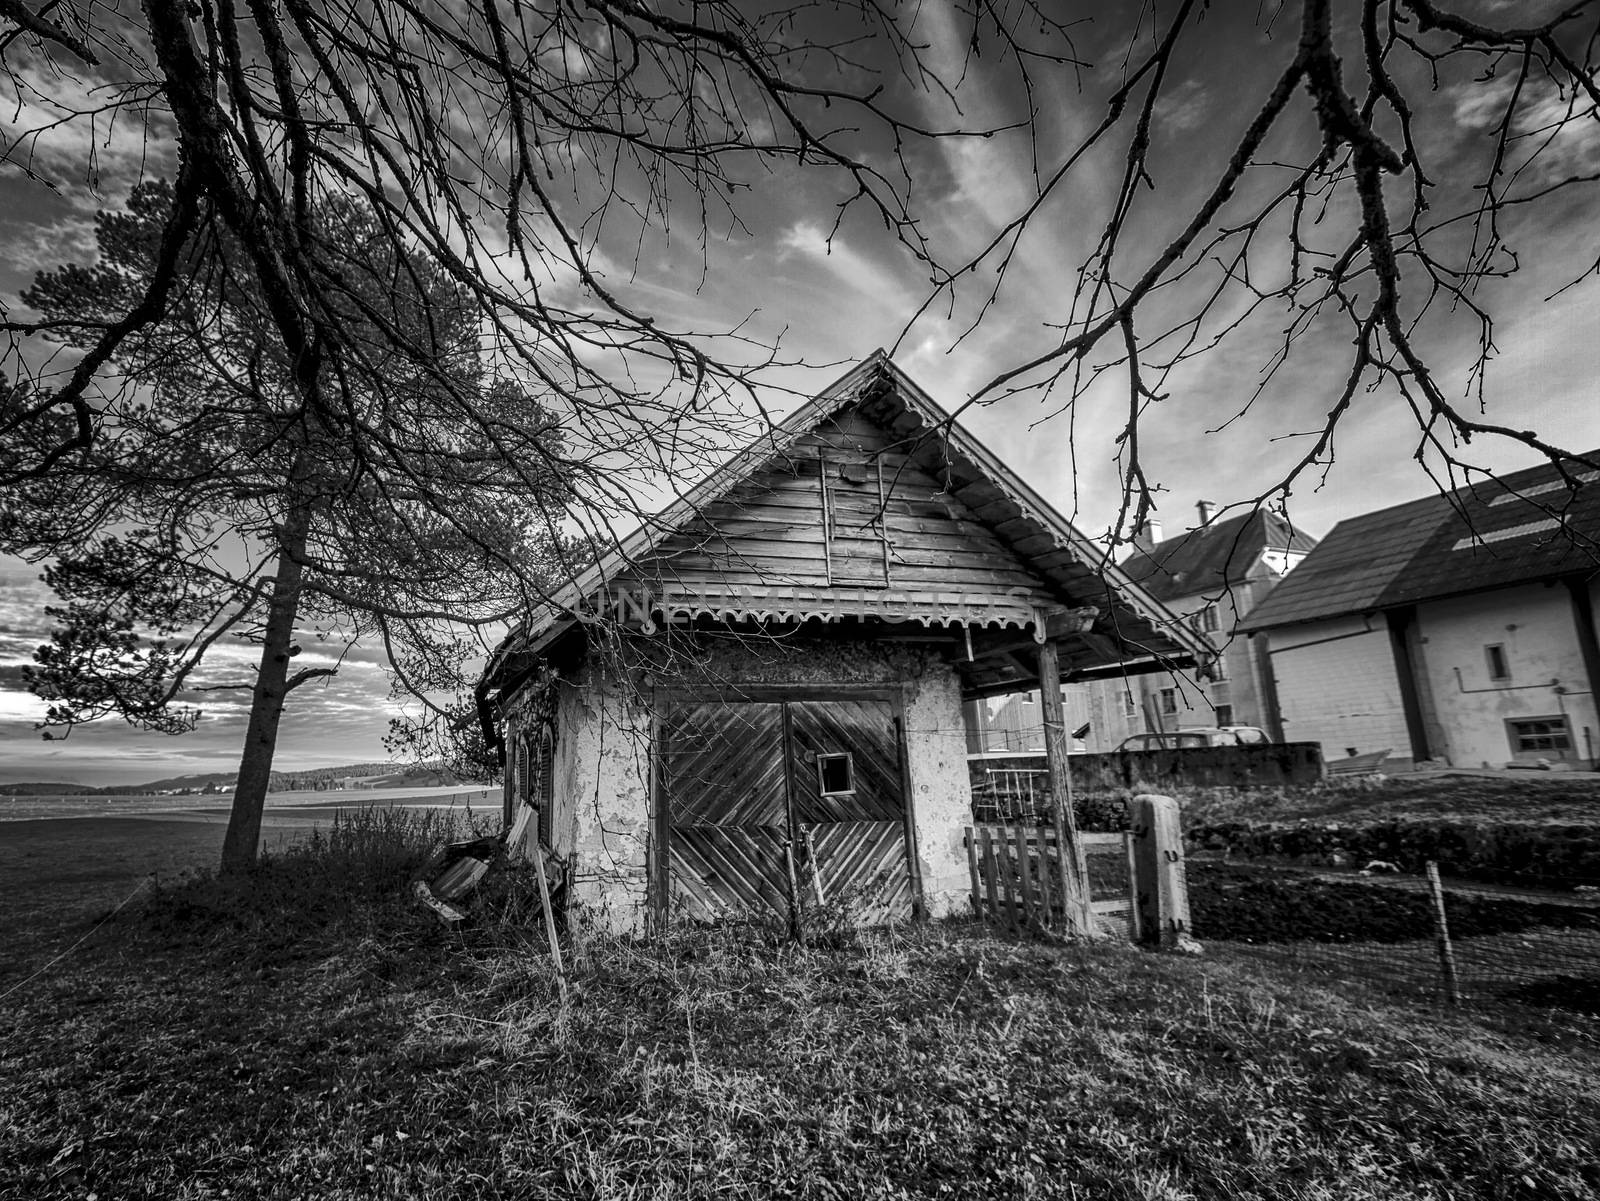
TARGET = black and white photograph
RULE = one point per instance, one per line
(818, 599)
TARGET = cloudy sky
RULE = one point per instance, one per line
(831, 296)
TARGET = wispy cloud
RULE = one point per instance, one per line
(79, 133)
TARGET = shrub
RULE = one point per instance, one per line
(354, 873)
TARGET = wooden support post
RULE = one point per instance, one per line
(550, 922)
(797, 933)
(972, 865)
(1161, 891)
(1078, 919)
(1447, 954)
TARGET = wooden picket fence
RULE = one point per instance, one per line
(1017, 881)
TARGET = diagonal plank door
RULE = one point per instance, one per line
(739, 779)
(727, 809)
(853, 842)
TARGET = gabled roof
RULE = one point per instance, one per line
(1519, 528)
(1131, 626)
(1214, 557)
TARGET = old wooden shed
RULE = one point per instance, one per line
(756, 702)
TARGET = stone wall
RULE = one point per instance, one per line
(1174, 772)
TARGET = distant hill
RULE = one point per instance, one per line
(361, 775)
(49, 788)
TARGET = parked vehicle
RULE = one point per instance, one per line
(1203, 736)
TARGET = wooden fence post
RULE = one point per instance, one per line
(1077, 918)
(1441, 928)
(1161, 891)
(972, 866)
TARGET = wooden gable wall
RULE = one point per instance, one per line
(812, 525)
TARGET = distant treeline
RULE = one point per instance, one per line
(388, 775)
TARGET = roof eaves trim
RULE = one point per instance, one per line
(1036, 509)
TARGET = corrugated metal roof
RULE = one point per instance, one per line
(1522, 527)
(1213, 557)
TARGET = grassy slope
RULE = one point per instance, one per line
(301, 1048)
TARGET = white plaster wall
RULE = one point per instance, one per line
(1337, 686)
(602, 772)
(603, 788)
(941, 793)
(1535, 626)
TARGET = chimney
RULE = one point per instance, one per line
(1147, 535)
(1207, 510)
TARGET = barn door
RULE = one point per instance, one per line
(726, 808)
(768, 805)
(848, 804)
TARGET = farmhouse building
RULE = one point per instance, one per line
(756, 702)
(1457, 628)
(1208, 576)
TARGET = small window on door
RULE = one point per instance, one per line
(1499, 665)
(836, 774)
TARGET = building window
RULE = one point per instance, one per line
(1536, 736)
(1130, 707)
(1224, 715)
(522, 774)
(1499, 667)
(836, 775)
(1169, 701)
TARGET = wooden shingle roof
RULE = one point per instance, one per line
(974, 548)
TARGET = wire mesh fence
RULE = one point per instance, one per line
(1433, 939)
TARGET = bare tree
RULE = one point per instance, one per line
(377, 210)
(213, 506)
(525, 145)
(1354, 208)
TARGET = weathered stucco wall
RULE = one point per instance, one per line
(604, 792)
(1535, 630)
(602, 777)
(941, 795)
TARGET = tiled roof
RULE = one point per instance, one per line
(1212, 557)
(1519, 528)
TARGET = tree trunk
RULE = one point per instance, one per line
(242, 843)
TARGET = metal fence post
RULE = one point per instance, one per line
(1447, 955)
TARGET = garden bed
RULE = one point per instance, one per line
(1264, 904)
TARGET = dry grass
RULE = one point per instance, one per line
(212, 1044)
